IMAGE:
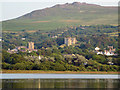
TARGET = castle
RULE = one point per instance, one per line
(30, 48)
(70, 41)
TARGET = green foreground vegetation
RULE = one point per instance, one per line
(79, 57)
(58, 63)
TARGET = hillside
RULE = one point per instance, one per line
(64, 15)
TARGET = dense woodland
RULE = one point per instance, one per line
(80, 57)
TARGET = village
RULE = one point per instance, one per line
(109, 52)
(68, 41)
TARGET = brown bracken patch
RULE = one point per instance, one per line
(31, 31)
(69, 21)
(40, 21)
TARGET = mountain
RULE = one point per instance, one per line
(63, 15)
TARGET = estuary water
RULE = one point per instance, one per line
(60, 81)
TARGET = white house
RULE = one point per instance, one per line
(97, 48)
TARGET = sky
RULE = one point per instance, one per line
(10, 9)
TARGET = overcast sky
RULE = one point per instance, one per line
(10, 9)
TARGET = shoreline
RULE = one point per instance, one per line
(57, 72)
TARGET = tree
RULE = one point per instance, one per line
(6, 56)
(99, 58)
(15, 58)
(80, 60)
(110, 60)
(89, 68)
(57, 57)
(60, 41)
(29, 65)
(82, 67)
(59, 67)
(5, 65)
(43, 67)
(39, 52)
(106, 68)
(48, 52)
(19, 66)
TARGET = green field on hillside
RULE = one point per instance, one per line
(61, 16)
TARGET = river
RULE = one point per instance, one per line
(60, 81)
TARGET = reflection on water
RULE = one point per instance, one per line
(60, 83)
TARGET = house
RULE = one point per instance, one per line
(12, 51)
(23, 38)
(100, 52)
(97, 48)
(62, 46)
(109, 52)
(54, 36)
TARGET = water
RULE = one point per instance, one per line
(60, 81)
(59, 76)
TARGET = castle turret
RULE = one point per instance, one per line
(69, 41)
(31, 45)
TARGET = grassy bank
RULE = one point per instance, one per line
(57, 72)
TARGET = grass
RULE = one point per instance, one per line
(113, 34)
(58, 72)
(48, 26)
(57, 17)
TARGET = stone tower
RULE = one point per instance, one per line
(69, 41)
(31, 45)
